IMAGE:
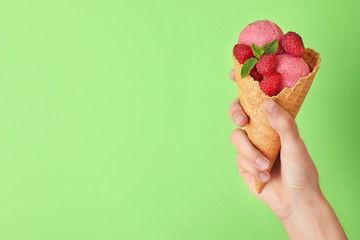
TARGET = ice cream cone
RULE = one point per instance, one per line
(259, 131)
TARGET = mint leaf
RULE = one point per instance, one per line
(256, 51)
(270, 48)
(248, 65)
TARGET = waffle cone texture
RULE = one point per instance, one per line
(258, 129)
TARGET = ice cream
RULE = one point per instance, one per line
(291, 69)
(260, 33)
(257, 79)
(269, 57)
(258, 129)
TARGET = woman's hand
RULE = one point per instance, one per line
(292, 191)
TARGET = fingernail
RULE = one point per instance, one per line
(270, 106)
(262, 163)
(238, 118)
(264, 177)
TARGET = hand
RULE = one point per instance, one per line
(293, 187)
(292, 178)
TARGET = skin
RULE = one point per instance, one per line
(292, 191)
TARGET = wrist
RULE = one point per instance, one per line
(297, 205)
(304, 206)
(312, 217)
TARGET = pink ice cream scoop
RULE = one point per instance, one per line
(260, 33)
(291, 69)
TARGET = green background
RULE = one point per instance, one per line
(114, 120)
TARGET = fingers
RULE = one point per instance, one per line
(237, 114)
(249, 159)
(232, 75)
(246, 165)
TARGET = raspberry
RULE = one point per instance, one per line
(280, 50)
(255, 74)
(242, 52)
(267, 64)
(293, 44)
(270, 85)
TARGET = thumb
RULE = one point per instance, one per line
(296, 164)
(283, 124)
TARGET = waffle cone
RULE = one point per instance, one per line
(258, 129)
